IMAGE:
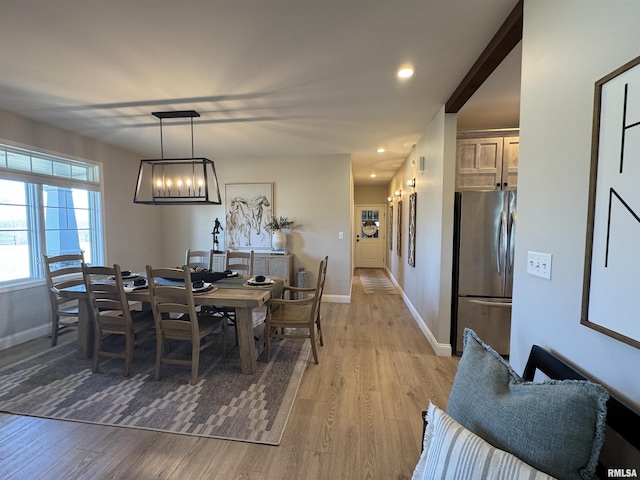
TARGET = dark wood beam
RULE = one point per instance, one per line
(507, 37)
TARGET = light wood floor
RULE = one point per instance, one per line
(356, 415)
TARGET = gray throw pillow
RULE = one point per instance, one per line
(554, 426)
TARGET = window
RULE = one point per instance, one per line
(48, 205)
(370, 224)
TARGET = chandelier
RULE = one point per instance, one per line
(177, 181)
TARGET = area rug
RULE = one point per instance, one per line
(375, 282)
(223, 404)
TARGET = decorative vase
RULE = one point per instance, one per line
(278, 240)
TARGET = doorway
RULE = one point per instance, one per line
(370, 228)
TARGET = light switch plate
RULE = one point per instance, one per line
(539, 264)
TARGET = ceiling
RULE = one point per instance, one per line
(269, 78)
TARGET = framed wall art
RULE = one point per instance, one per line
(390, 228)
(249, 207)
(612, 257)
(411, 257)
(399, 232)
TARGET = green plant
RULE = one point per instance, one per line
(279, 223)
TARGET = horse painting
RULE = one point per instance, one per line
(246, 220)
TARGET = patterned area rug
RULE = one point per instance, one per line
(375, 282)
(224, 404)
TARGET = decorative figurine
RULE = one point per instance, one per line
(216, 230)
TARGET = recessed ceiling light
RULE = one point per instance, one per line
(405, 72)
(373, 175)
(380, 150)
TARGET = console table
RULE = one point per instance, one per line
(267, 264)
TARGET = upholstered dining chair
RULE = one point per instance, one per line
(176, 318)
(111, 314)
(296, 318)
(198, 258)
(62, 271)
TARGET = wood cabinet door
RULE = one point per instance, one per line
(273, 265)
(219, 262)
(510, 163)
(479, 164)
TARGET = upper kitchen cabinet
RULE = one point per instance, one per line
(487, 160)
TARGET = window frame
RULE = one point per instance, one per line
(34, 189)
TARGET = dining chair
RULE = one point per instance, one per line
(198, 258)
(296, 318)
(62, 271)
(241, 262)
(112, 315)
(176, 318)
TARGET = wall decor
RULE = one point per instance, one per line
(411, 257)
(399, 232)
(249, 208)
(390, 228)
(612, 258)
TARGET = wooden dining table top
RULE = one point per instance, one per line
(230, 292)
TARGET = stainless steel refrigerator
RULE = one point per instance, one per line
(484, 235)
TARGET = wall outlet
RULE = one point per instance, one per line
(539, 264)
(340, 235)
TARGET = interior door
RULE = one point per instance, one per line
(370, 231)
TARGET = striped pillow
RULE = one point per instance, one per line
(452, 452)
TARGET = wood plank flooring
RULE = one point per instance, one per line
(356, 415)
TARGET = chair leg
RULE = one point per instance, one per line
(54, 330)
(97, 346)
(195, 362)
(128, 354)
(319, 331)
(267, 342)
(159, 353)
(225, 330)
(312, 337)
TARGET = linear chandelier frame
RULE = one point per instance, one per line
(177, 181)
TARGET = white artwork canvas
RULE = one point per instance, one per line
(249, 208)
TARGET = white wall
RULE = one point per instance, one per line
(131, 231)
(314, 191)
(427, 286)
(370, 194)
(567, 47)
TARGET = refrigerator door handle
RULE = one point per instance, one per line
(512, 228)
(491, 304)
(502, 241)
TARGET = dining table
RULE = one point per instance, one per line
(234, 292)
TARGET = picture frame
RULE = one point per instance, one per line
(390, 228)
(399, 232)
(411, 255)
(248, 209)
(612, 259)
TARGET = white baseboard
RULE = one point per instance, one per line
(336, 298)
(25, 336)
(440, 349)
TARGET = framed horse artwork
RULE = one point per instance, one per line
(249, 208)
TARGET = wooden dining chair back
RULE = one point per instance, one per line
(62, 271)
(198, 258)
(241, 262)
(111, 315)
(176, 318)
(297, 318)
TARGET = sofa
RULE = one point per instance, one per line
(500, 425)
